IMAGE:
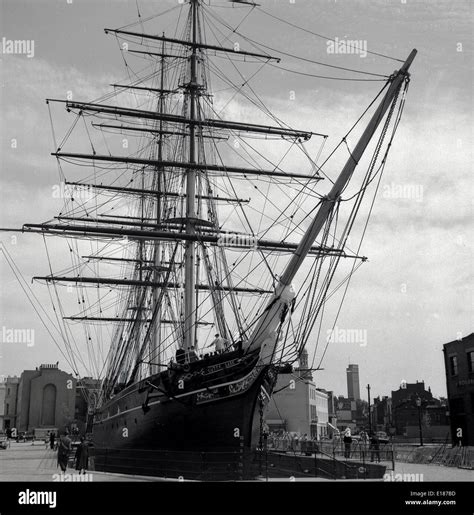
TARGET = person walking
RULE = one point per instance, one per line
(8, 432)
(347, 443)
(374, 447)
(64, 448)
(304, 442)
(52, 438)
(82, 456)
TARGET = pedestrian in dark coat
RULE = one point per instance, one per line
(82, 456)
(52, 437)
(64, 448)
(374, 447)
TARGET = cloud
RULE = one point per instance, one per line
(424, 243)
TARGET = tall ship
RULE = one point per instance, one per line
(205, 239)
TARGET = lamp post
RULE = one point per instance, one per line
(418, 403)
(370, 415)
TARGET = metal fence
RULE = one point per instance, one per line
(177, 465)
(462, 457)
(358, 450)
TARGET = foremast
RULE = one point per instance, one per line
(190, 246)
(265, 334)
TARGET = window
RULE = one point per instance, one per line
(7, 409)
(8, 391)
(470, 361)
(453, 364)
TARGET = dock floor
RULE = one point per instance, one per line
(28, 462)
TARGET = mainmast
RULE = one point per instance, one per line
(190, 246)
(156, 354)
(164, 231)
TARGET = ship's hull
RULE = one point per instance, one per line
(176, 435)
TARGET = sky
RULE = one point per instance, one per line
(415, 292)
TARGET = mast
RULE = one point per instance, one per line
(264, 335)
(190, 246)
(155, 355)
(345, 175)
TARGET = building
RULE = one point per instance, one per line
(319, 413)
(434, 424)
(405, 409)
(352, 414)
(459, 366)
(412, 406)
(346, 413)
(10, 401)
(362, 415)
(382, 418)
(45, 399)
(3, 390)
(332, 417)
(297, 406)
(437, 414)
(353, 388)
(48, 398)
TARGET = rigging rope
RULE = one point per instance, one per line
(320, 35)
(258, 45)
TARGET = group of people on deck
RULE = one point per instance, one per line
(219, 344)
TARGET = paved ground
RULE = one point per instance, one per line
(430, 472)
(27, 462)
(434, 472)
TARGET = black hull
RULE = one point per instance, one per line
(197, 435)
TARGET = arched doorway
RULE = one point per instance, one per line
(49, 405)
